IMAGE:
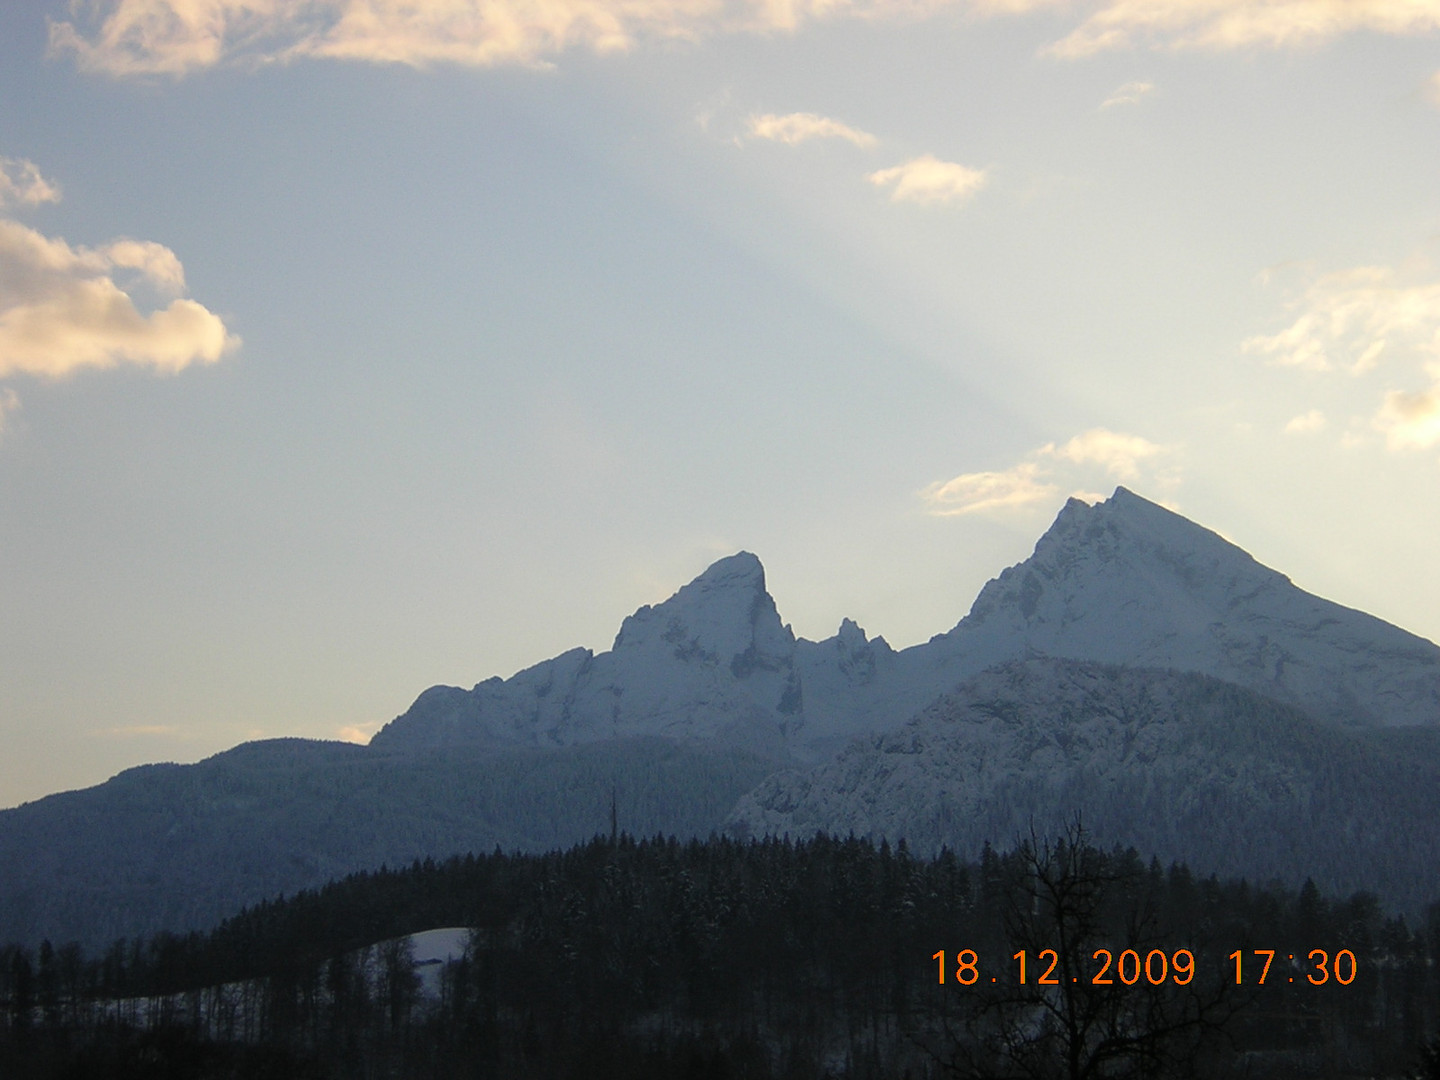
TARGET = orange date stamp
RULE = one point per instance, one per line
(1155, 968)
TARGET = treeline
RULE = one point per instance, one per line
(769, 959)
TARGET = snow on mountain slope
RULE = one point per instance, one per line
(1129, 582)
(1124, 581)
(713, 661)
(1177, 765)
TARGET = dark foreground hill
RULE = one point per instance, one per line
(179, 847)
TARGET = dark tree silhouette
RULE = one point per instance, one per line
(1073, 910)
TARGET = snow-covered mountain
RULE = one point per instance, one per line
(1177, 765)
(704, 696)
(1124, 582)
(712, 662)
(1129, 582)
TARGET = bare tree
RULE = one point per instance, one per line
(1095, 989)
(399, 985)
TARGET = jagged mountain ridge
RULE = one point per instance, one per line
(1124, 581)
(1178, 765)
(721, 634)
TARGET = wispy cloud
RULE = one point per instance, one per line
(177, 37)
(357, 733)
(1410, 420)
(929, 181)
(1237, 24)
(793, 128)
(1306, 423)
(973, 493)
(1052, 468)
(1129, 94)
(1365, 321)
(22, 185)
(1120, 455)
(1348, 319)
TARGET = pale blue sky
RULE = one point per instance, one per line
(522, 336)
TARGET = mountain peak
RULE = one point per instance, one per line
(1127, 554)
(1127, 581)
(1126, 527)
(725, 616)
(739, 571)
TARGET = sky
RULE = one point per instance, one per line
(348, 347)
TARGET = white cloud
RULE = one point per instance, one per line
(1234, 24)
(1410, 420)
(1348, 318)
(357, 733)
(21, 184)
(927, 180)
(1306, 423)
(794, 128)
(177, 37)
(1129, 94)
(62, 308)
(1352, 321)
(1052, 468)
(1119, 455)
(970, 493)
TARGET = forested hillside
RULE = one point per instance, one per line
(758, 960)
(179, 847)
(1175, 763)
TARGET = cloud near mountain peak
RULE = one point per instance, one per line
(1090, 457)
